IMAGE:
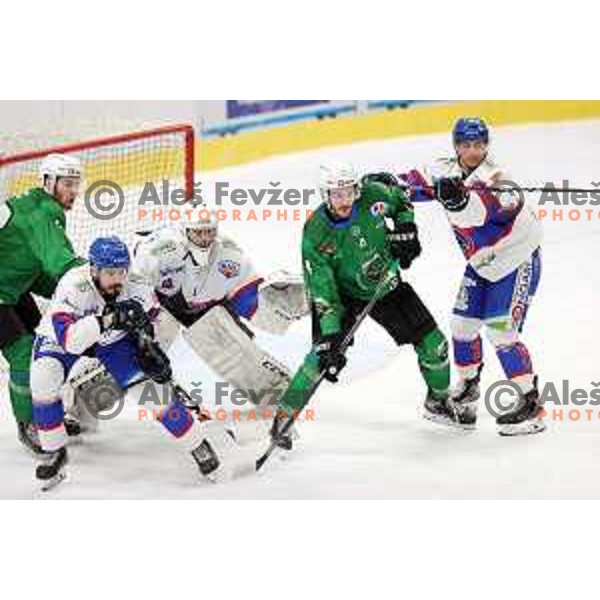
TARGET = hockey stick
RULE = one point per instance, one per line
(177, 391)
(315, 384)
(514, 188)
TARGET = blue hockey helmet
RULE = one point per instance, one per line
(469, 129)
(109, 252)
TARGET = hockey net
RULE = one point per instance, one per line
(130, 160)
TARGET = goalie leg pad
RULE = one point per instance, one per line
(230, 352)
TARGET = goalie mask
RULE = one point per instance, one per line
(201, 234)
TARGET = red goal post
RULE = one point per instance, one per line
(130, 160)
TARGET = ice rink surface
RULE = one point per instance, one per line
(368, 440)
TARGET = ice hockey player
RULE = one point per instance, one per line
(350, 253)
(35, 253)
(97, 311)
(208, 285)
(500, 236)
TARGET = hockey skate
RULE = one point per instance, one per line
(72, 427)
(53, 470)
(213, 454)
(28, 436)
(464, 400)
(525, 419)
(440, 410)
(207, 460)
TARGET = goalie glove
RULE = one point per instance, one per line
(403, 243)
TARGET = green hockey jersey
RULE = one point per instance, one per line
(34, 248)
(349, 258)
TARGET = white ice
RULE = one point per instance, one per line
(367, 440)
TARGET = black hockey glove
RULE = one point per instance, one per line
(404, 243)
(154, 363)
(387, 179)
(452, 193)
(127, 315)
(331, 359)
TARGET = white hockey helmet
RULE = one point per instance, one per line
(336, 175)
(55, 166)
(60, 165)
(202, 230)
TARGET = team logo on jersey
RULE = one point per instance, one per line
(372, 270)
(229, 268)
(378, 209)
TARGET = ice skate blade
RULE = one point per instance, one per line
(50, 484)
(447, 422)
(222, 474)
(525, 428)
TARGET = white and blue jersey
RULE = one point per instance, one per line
(70, 326)
(500, 237)
(496, 232)
(189, 281)
(69, 330)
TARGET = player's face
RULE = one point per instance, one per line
(341, 200)
(111, 281)
(471, 153)
(66, 191)
(203, 237)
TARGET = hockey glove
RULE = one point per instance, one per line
(404, 243)
(452, 193)
(154, 363)
(331, 358)
(127, 315)
(387, 179)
